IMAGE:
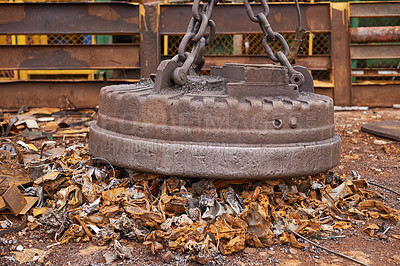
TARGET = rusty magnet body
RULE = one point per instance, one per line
(242, 121)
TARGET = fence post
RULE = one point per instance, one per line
(340, 53)
(149, 13)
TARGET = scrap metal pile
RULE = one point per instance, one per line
(83, 198)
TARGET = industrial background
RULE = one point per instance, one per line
(59, 53)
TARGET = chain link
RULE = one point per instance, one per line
(195, 34)
(295, 77)
(201, 20)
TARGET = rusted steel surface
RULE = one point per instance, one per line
(375, 34)
(340, 54)
(384, 95)
(374, 10)
(375, 51)
(117, 56)
(14, 199)
(387, 129)
(69, 18)
(149, 39)
(315, 62)
(51, 93)
(233, 18)
(229, 125)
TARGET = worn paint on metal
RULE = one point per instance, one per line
(149, 38)
(375, 51)
(375, 34)
(69, 18)
(374, 10)
(231, 18)
(117, 56)
(377, 95)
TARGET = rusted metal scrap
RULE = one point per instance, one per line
(201, 217)
(242, 121)
(14, 200)
(87, 199)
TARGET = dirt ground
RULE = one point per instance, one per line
(361, 152)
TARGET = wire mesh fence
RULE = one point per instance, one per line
(376, 63)
(384, 65)
(69, 39)
(251, 44)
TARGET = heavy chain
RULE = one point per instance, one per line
(176, 69)
(295, 77)
(194, 34)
